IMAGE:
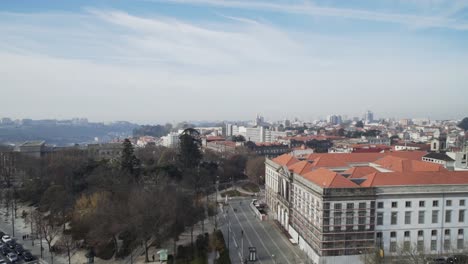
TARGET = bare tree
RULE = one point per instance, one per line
(66, 241)
(50, 230)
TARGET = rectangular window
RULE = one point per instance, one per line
(393, 234)
(394, 204)
(460, 231)
(337, 219)
(435, 216)
(461, 216)
(349, 205)
(420, 245)
(362, 205)
(422, 203)
(460, 243)
(448, 203)
(421, 217)
(362, 218)
(462, 202)
(337, 206)
(407, 233)
(394, 218)
(406, 245)
(380, 218)
(408, 204)
(392, 246)
(447, 232)
(435, 203)
(408, 218)
(420, 233)
(447, 245)
(433, 245)
(434, 233)
(448, 216)
(380, 205)
(349, 218)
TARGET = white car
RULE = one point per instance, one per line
(12, 257)
(6, 238)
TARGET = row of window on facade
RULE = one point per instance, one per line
(447, 245)
(421, 217)
(408, 204)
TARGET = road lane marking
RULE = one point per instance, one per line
(279, 249)
(237, 218)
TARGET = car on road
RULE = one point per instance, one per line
(2, 261)
(12, 257)
(2, 234)
(4, 249)
(6, 238)
(27, 256)
(437, 260)
(457, 259)
(11, 244)
(19, 249)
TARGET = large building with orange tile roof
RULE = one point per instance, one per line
(339, 206)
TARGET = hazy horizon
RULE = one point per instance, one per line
(158, 61)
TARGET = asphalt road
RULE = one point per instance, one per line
(272, 246)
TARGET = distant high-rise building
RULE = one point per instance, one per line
(334, 119)
(369, 116)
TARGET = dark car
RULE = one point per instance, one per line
(27, 256)
(19, 249)
(11, 244)
(457, 259)
(4, 250)
(2, 234)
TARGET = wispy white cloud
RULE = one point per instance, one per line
(308, 8)
(109, 64)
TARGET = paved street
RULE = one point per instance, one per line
(272, 246)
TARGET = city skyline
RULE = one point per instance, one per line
(172, 60)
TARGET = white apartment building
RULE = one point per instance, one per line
(171, 140)
(340, 206)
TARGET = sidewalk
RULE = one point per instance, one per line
(21, 229)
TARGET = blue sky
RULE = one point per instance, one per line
(153, 61)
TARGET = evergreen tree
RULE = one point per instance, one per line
(189, 148)
(359, 124)
(129, 162)
(464, 124)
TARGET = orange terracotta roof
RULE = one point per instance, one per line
(416, 178)
(285, 159)
(301, 167)
(401, 164)
(329, 179)
(358, 172)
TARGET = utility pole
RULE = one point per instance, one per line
(242, 245)
(13, 217)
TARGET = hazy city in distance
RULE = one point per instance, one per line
(234, 132)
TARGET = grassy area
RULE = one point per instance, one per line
(251, 187)
(232, 193)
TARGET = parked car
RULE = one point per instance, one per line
(2, 234)
(2, 261)
(19, 249)
(457, 259)
(11, 244)
(6, 238)
(27, 256)
(4, 249)
(437, 260)
(12, 257)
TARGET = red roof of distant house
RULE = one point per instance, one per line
(214, 138)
